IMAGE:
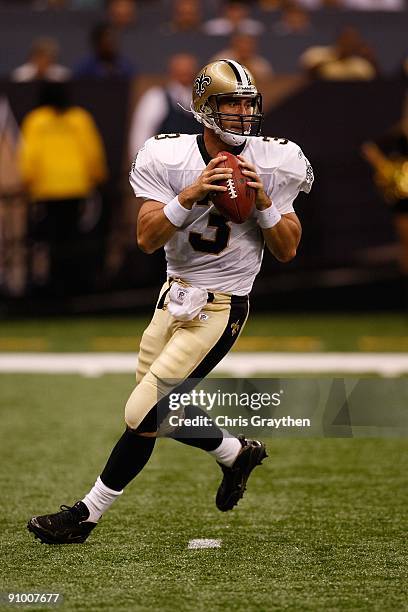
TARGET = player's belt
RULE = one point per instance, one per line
(212, 297)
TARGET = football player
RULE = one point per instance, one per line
(211, 266)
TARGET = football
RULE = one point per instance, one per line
(238, 202)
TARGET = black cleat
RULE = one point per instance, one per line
(65, 527)
(233, 484)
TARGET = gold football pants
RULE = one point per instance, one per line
(173, 351)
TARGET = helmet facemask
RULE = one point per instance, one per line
(241, 124)
(232, 128)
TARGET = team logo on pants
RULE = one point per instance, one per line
(235, 328)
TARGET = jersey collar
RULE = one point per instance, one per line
(204, 153)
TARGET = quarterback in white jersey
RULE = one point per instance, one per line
(203, 305)
(206, 250)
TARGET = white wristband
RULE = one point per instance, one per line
(268, 217)
(176, 213)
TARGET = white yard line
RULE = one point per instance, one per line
(203, 543)
(247, 364)
(235, 364)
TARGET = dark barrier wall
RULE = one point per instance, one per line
(347, 228)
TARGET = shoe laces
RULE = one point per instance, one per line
(67, 512)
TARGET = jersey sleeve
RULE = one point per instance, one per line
(148, 177)
(294, 175)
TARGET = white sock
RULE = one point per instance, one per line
(228, 450)
(99, 499)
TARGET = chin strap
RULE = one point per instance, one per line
(234, 140)
(188, 110)
(231, 139)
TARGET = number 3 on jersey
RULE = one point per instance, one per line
(212, 245)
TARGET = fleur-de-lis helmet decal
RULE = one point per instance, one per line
(201, 83)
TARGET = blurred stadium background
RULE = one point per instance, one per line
(340, 307)
(349, 252)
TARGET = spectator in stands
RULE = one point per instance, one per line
(62, 160)
(243, 49)
(234, 18)
(158, 110)
(42, 63)
(186, 17)
(350, 58)
(106, 60)
(121, 13)
(294, 20)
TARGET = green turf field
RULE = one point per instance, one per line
(299, 333)
(323, 525)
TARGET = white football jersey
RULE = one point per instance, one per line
(208, 251)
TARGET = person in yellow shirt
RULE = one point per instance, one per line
(62, 161)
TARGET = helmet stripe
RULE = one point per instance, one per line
(239, 72)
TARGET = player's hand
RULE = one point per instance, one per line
(206, 183)
(262, 200)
